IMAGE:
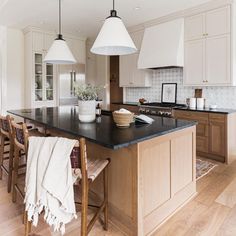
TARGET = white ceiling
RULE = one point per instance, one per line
(85, 17)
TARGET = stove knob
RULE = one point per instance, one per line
(160, 113)
(147, 111)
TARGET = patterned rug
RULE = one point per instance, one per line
(203, 168)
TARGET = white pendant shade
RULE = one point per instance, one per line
(59, 53)
(113, 39)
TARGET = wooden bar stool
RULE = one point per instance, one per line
(89, 171)
(6, 141)
(20, 134)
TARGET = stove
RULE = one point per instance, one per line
(159, 109)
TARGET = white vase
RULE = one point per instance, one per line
(87, 111)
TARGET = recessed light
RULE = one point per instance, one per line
(137, 8)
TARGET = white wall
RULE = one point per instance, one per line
(3, 68)
(12, 69)
(15, 69)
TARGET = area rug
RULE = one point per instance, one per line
(203, 168)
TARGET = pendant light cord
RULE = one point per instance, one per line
(113, 11)
(59, 17)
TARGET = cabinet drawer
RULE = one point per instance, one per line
(202, 144)
(182, 114)
(217, 117)
(198, 116)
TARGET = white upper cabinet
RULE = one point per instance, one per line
(208, 49)
(218, 60)
(194, 62)
(218, 22)
(195, 27)
(42, 41)
(211, 23)
(130, 75)
(38, 41)
(41, 87)
(78, 49)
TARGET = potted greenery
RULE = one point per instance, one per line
(87, 95)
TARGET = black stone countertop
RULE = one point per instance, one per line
(217, 110)
(103, 132)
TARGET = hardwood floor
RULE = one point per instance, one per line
(211, 213)
(204, 215)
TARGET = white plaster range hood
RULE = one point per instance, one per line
(163, 46)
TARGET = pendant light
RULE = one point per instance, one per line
(113, 38)
(59, 52)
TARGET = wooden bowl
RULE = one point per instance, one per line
(123, 120)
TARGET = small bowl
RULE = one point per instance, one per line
(123, 120)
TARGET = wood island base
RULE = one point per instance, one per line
(149, 181)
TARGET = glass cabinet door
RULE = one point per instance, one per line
(49, 82)
(44, 79)
(38, 67)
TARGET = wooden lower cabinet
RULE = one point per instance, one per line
(216, 134)
(202, 144)
(148, 181)
(217, 142)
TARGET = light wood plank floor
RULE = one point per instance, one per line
(211, 213)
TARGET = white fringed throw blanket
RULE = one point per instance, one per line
(49, 181)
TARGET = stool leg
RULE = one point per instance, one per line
(27, 224)
(84, 210)
(11, 155)
(1, 154)
(105, 176)
(15, 173)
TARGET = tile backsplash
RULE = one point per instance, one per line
(223, 97)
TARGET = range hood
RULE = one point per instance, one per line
(163, 46)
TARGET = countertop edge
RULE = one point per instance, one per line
(118, 146)
(226, 111)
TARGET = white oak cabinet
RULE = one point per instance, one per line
(130, 75)
(207, 48)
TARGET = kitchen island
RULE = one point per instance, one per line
(152, 171)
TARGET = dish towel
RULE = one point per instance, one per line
(49, 181)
